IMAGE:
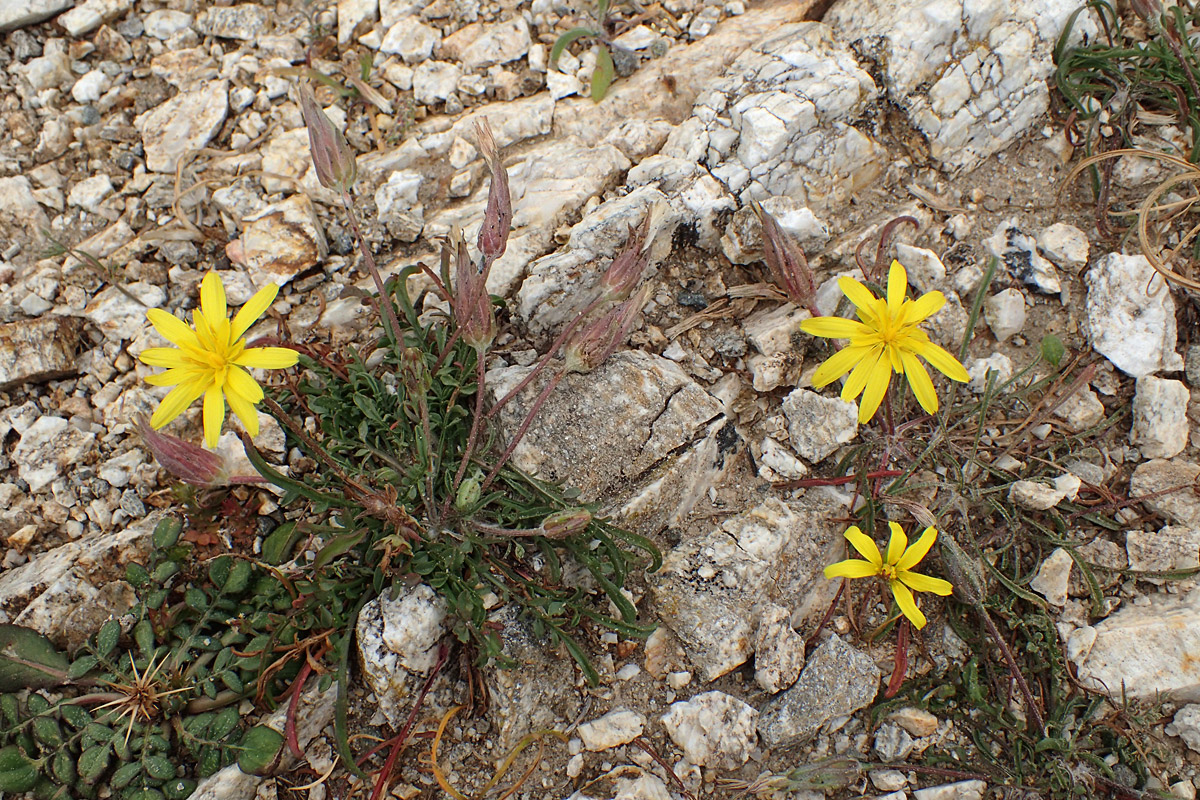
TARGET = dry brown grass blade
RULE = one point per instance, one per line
(1150, 205)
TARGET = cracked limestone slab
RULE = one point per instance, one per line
(970, 74)
(712, 591)
(549, 184)
(607, 426)
(779, 121)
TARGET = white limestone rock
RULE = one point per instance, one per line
(819, 425)
(1160, 423)
(1035, 496)
(776, 462)
(353, 16)
(1143, 650)
(37, 350)
(283, 240)
(85, 18)
(615, 728)
(89, 193)
(90, 86)
(838, 680)
(435, 81)
(1065, 245)
(185, 122)
(1175, 547)
(397, 644)
(970, 74)
(22, 220)
(46, 448)
(963, 790)
(498, 44)
(164, 23)
(120, 315)
(1157, 482)
(245, 22)
(20, 13)
(1186, 725)
(742, 242)
(1054, 577)
(411, 40)
(926, 271)
(1005, 313)
(1081, 410)
(1019, 254)
(779, 122)
(1131, 316)
(773, 330)
(998, 364)
(778, 650)
(713, 729)
(917, 721)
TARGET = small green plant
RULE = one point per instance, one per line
(605, 70)
(152, 703)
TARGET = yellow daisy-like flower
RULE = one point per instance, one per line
(212, 358)
(895, 566)
(886, 340)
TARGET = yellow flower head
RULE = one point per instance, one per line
(886, 340)
(210, 359)
(895, 566)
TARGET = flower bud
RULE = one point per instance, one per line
(563, 524)
(188, 462)
(625, 271)
(787, 263)
(599, 339)
(497, 217)
(1149, 10)
(331, 154)
(472, 304)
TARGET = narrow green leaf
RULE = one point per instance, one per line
(565, 40)
(107, 638)
(28, 660)
(239, 577)
(82, 666)
(603, 75)
(143, 634)
(224, 722)
(218, 570)
(93, 762)
(277, 548)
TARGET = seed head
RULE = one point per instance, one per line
(787, 263)
(497, 217)
(331, 154)
(599, 339)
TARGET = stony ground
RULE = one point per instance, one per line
(144, 143)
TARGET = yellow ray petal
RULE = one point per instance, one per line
(239, 382)
(893, 354)
(244, 411)
(851, 568)
(176, 401)
(919, 380)
(255, 307)
(908, 605)
(268, 357)
(834, 327)
(163, 357)
(897, 288)
(913, 555)
(214, 415)
(877, 386)
(943, 362)
(864, 544)
(862, 299)
(897, 543)
(172, 328)
(204, 331)
(836, 366)
(212, 297)
(862, 372)
(174, 376)
(925, 583)
(924, 307)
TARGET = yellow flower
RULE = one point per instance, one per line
(886, 340)
(896, 567)
(210, 360)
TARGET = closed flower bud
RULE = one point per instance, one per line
(625, 271)
(599, 339)
(563, 524)
(472, 304)
(497, 217)
(331, 154)
(787, 263)
(188, 462)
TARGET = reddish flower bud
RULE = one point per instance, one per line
(563, 524)
(625, 271)
(188, 462)
(472, 304)
(787, 263)
(331, 154)
(497, 218)
(599, 339)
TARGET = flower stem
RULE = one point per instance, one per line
(384, 303)
(537, 406)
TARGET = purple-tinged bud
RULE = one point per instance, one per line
(188, 462)
(563, 524)
(497, 217)
(625, 271)
(1149, 10)
(472, 304)
(599, 339)
(331, 154)
(787, 263)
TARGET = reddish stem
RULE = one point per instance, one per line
(537, 406)
(901, 668)
(803, 483)
(289, 726)
(398, 742)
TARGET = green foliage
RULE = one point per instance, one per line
(392, 436)
(605, 71)
(148, 709)
(1125, 75)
